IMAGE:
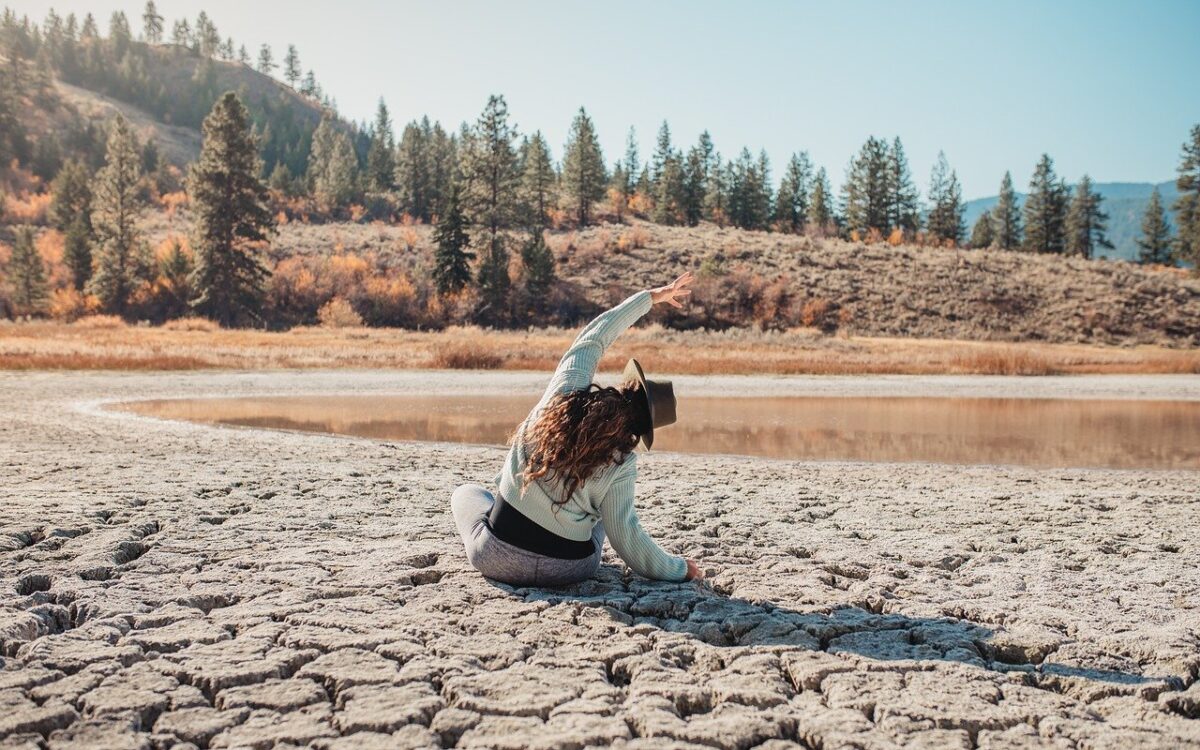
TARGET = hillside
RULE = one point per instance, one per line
(781, 281)
(167, 105)
(1124, 202)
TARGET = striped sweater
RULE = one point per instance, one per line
(607, 495)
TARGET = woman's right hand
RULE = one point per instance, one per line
(673, 292)
(694, 571)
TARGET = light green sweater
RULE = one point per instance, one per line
(607, 495)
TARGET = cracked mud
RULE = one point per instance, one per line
(167, 585)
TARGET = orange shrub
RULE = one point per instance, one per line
(896, 237)
(874, 236)
(409, 236)
(633, 238)
(640, 204)
(27, 209)
(357, 212)
(337, 313)
(819, 313)
(69, 304)
(389, 302)
(100, 323)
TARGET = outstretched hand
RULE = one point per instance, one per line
(674, 292)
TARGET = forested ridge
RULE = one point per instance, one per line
(79, 191)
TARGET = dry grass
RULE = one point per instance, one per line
(99, 344)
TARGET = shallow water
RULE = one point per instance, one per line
(1028, 432)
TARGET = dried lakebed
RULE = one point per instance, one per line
(165, 584)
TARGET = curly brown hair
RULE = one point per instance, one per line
(582, 431)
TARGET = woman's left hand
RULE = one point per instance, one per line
(674, 292)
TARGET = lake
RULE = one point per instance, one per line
(1027, 432)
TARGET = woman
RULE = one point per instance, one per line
(569, 476)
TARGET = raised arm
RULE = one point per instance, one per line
(577, 368)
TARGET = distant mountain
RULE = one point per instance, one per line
(1124, 202)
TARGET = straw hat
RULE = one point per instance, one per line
(660, 399)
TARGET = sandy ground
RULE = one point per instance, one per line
(174, 585)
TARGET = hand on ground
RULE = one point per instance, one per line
(695, 572)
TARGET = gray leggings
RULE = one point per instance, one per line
(501, 561)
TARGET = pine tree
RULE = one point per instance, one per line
(175, 270)
(266, 61)
(381, 159)
(539, 269)
(792, 200)
(116, 204)
(945, 223)
(152, 23)
(537, 182)
(820, 207)
(230, 217)
(983, 234)
(181, 33)
(332, 165)
(1187, 206)
(1086, 222)
(716, 199)
(491, 200)
(452, 258)
(1006, 217)
(292, 69)
(1046, 210)
(1155, 242)
(206, 35)
(28, 273)
(749, 191)
(243, 56)
(71, 213)
(696, 175)
(630, 166)
(666, 179)
(865, 194)
(903, 200)
(583, 168)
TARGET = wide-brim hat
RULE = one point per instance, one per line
(660, 399)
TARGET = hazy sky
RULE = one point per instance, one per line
(1104, 87)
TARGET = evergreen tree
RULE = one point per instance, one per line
(119, 34)
(666, 179)
(206, 35)
(945, 222)
(696, 174)
(71, 196)
(903, 201)
(583, 168)
(452, 258)
(332, 165)
(28, 273)
(266, 61)
(1046, 210)
(492, 200)
(175, 269)
(749, 204)
(116, 204)
(539, 269)
(792, 200)
(181, 34)
(865, 194)
(152, 23)
(1187, 206)
(243, 56)
(230, 217)
(71, 213)
(716, 199)
(1006, 217)
(292, 69)
(630, 166)
(381, 157)
(537, 182)
(1086, 222)
(820, 206)
(1155, 242)
(983, 234)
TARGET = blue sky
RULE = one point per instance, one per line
(1106, 88)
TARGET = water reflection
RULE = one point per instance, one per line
(1031, 432)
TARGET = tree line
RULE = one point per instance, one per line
(493, 193)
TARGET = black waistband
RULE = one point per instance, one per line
(513, 526)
